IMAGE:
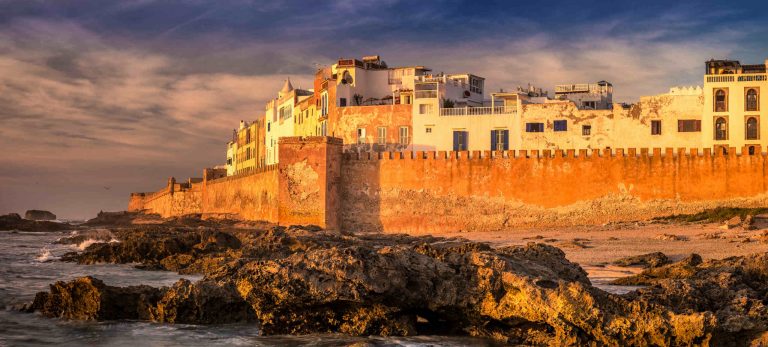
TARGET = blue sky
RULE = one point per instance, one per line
(100, 98)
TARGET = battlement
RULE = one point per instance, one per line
(554, 154)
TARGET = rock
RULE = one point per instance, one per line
(83, 236)
(87, 298)
(732, 289)
(201, 303)
(654, 259)
(748, 223)
(670, 237)
(121, 218)
(39, 215)
(14, 222)
(732, 223)
(304, 281)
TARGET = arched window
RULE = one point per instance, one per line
(721, 104)
(752, 97)
(752, 129)
(721, 129)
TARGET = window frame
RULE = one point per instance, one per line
(361, 136)
(716, 107)
(746, 128)
(381, 138)
(655, 127)
(586, 130)
(757, 99)
(681, 128)
(534, 127)
(560, 121)
(716, 131)
(403, 140)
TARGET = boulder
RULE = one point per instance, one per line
(654, 259)
(39, 215)
(88, 298)
(732, 223)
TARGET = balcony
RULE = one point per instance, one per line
(478, 111)
(425, 94)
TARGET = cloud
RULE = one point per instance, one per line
(124, 94)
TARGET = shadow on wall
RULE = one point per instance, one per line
(361, 192)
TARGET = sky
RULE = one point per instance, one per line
(102, 98)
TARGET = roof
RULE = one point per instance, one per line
(287, 87)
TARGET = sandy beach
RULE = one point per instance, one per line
(596, 247)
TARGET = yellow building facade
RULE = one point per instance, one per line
(734, 105)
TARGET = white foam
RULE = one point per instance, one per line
(45, 255)
(83, 245)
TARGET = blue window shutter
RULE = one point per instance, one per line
(466, 141)
(455, 140)
(505, 133)
(493, 140)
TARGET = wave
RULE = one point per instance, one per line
(45, 255)
(83, 245)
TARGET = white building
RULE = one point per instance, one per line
(279, 118)
(595, 96)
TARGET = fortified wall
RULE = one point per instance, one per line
(315, 183)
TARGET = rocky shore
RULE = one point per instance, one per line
(13, 221)
(302, 280)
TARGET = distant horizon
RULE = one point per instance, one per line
(103, 98)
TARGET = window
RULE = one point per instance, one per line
(285, 112)
(655, 127)
(721, 100)
(343, 102)
(751, 150)
(752, 129)
(561, 125)
(721, 128)
(247, 154)
(752, 100)
(360, 135)
(688, 125)
(534, 127)
(460, 139)
(268, 126)
(382, 135)
(425, 108)
(324, 104)
(586, 130)
(404, 139)
(589, 105)
(428, 130)
(499, 140)
(247, 136)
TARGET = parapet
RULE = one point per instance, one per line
(555, 154)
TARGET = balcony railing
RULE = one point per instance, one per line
(738, 78)
(425, 94)
(478, 111)
(720, 78)
(753, 78)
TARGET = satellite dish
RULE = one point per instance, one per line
(466, 94)
(347, 79)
